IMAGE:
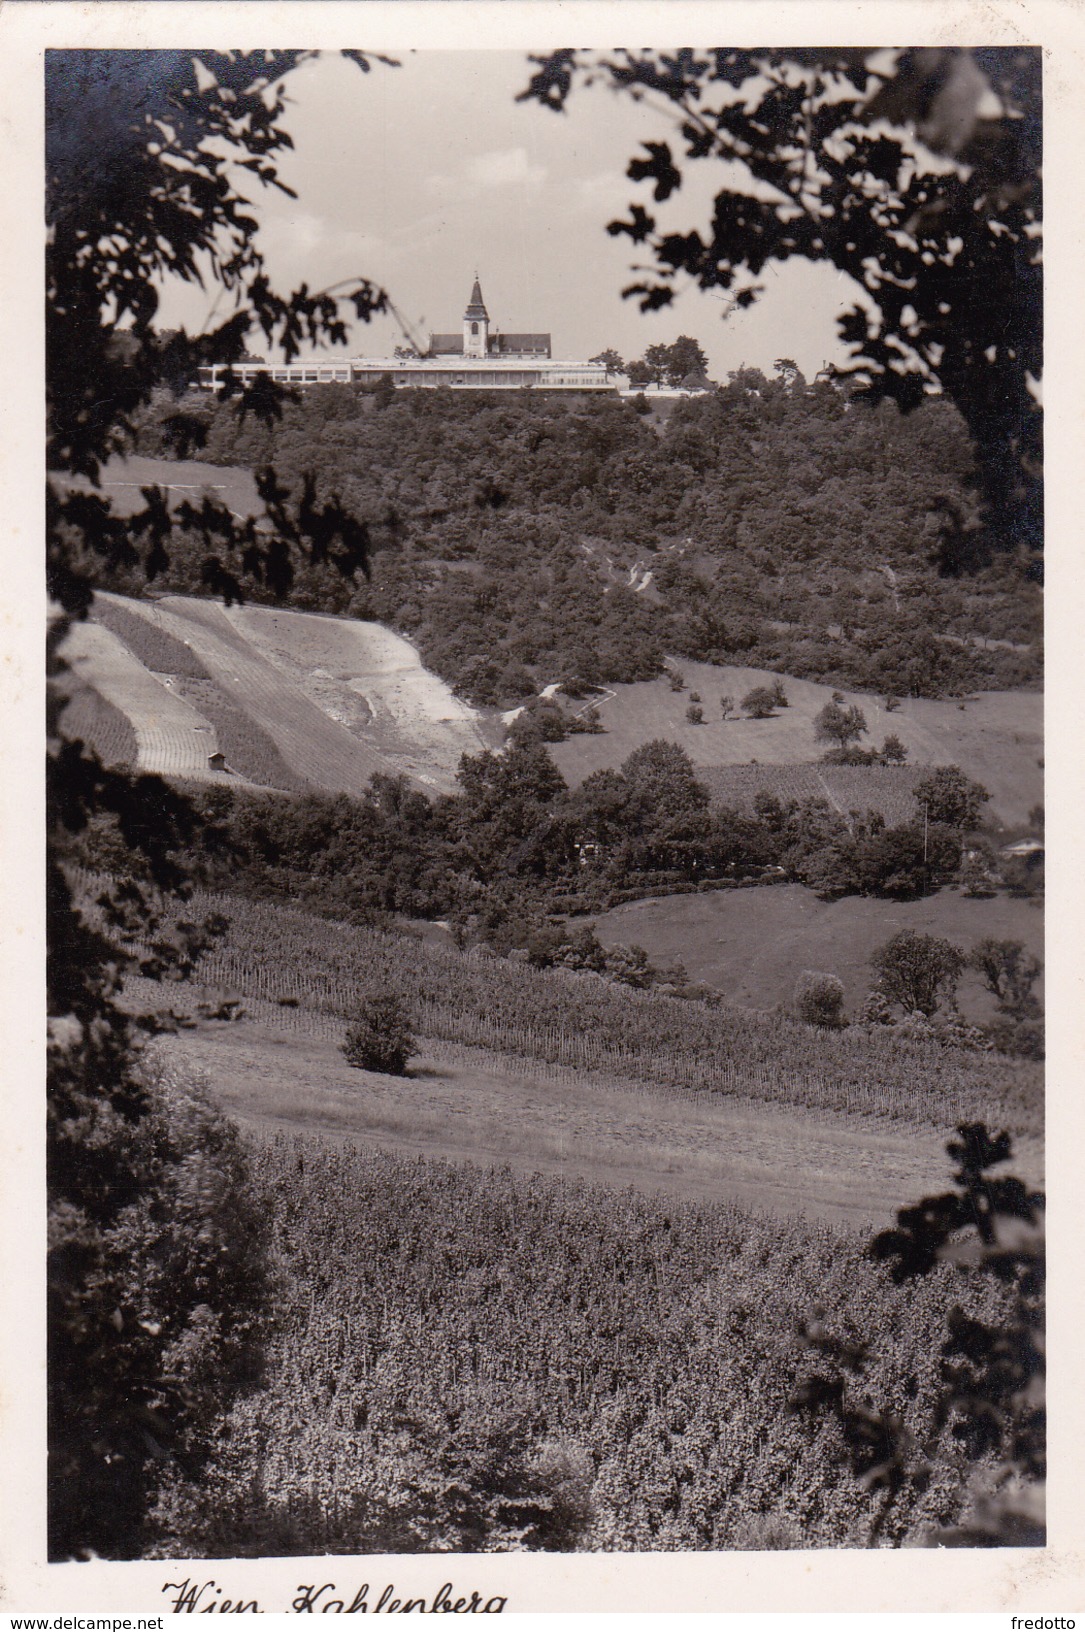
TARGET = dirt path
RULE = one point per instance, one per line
(469, 1108)
(833, 800)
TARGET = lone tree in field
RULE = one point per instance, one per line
(917, 972)
(760, 703)
(951, 797)
(381, 1038)
(839, 725)
(819, 999)
(1009, 972)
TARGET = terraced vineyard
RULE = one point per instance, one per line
(105, 729)
(371, 680)
(296, 701)
(317, 749)
(172, 738)
(887, 788)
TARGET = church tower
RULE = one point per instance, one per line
(476, 325)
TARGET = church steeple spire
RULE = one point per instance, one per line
(476, 306)
(476, 324)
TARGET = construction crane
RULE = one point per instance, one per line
(408, 333)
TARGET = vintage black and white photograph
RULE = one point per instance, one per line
(545, 800)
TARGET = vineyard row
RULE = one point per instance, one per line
(291, 960)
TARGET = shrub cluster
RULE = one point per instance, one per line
(381, 1038)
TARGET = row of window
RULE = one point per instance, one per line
(346, 373)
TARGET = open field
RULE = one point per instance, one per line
(753, 944)
(996, 737)
(330, 701)
(469, 1105)
(171, 736)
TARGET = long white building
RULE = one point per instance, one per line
(479, 358)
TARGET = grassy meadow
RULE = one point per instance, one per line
(297, 963)
(995, 737)
(295, 701)
(752, 945)
(125, 476)
(273, 1076)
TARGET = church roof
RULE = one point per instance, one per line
(476, 306)
(520, 342)
(499, 345)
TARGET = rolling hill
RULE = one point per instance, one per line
(996, 737)
(305, 701)
(373, 706)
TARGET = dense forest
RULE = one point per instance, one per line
(521, 541)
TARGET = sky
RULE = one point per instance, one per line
(422, 175)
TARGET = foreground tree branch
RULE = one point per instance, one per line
(158, 1272)
(917, 173)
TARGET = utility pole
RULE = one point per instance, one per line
(926, 869)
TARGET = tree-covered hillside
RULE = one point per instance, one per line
(522, 540)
